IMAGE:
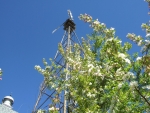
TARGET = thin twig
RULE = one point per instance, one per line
(142, 96)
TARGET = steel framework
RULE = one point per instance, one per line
(46, 96)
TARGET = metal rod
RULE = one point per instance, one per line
(61, 43)
(46, 99)
(40, 94)
(65, 92)
(78, 39)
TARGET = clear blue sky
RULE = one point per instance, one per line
(26, 37)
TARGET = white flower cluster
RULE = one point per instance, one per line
(109, 32)
(89, 111)
(89, 94)
(53, 109)
(94, 70)
(148, 35)
(95, 24)
(138, 58)
(120, 85)
(119, 72)
(124, 57)
(136, 39)
(146, 87)
(1, 71)
(133, 84)
(74, 62)
(39, 69)
(139, 40)
(43, 71)
(147, 0)
(113, 101)
(91, 67)
(85, 17)
(121, 55)
(113, 39)
(41, 111)
(146, 45)
(128, 75)
(146, 26)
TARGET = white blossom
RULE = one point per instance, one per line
(53, 86)
(103, 24)
(144, 48)
(139, 43)
(70, 60)
(82, 72)
(147, 0)
(119, 41)
(53, 108)
(147, 42)
(90, 66)
(68, 85)
(109, 40)
(90, 70)
(138, 58)
(133, 84)
(146, 87)
(131, 74)
(119, 72)
(112, 28)
(42, 70)
(148, 35)
(89, 111)
(40, 111)
(37, 67)
(107, 30)
(127, 61)
(128, 75)
(96, 22)
(1, 72)
(90, 83)
(121, 55)
(120, 85)
(89, 94)
(47, 67)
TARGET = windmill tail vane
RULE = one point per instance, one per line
(70, 15)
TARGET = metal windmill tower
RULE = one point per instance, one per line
(46, 96)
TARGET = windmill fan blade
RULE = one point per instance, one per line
(54, 31)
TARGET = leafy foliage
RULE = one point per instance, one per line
(105, 78)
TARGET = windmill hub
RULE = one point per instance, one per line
(69, 23)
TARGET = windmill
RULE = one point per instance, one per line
(46, 96)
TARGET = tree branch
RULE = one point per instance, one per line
(142, 96)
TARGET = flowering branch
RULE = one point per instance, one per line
(1, 72)
(104, 70)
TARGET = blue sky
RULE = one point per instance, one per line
(26, 37)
